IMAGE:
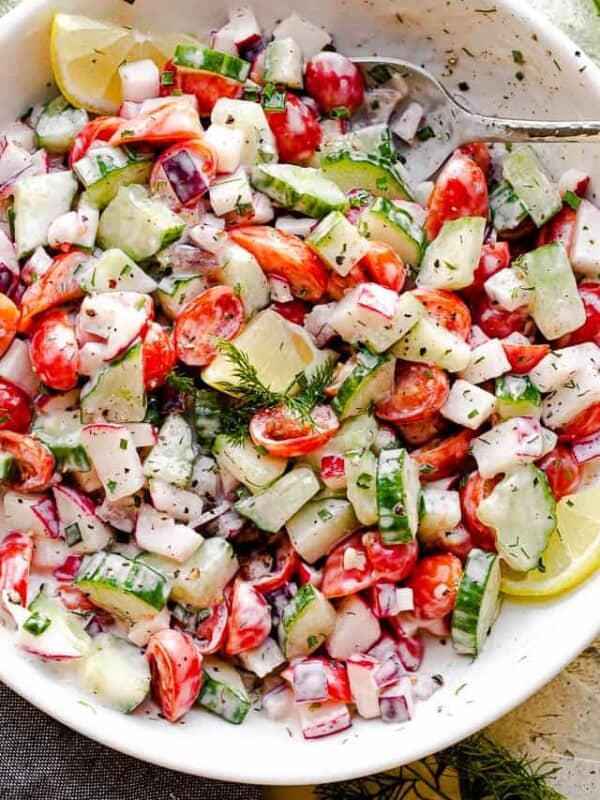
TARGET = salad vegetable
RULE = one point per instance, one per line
(265, 418)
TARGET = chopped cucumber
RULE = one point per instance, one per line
(522, 511)
(337, 243)
(302, 189)
(516, 396)
(468, 405)
(254, 469)
(451, 259)
(242, 271)
(430, 343)
(207, 417)
(116, 392)
(191, 56)
(377, 175)
(104, 169)
(249, 118)
(273, 507)
(507, 211)
(175, 291)
(307, 620)
(320, 525)
(60, 432)
(392, 224)
(371, 379)
(51, 630)
(130, 590)
(361, 476)
(58, 124)
(232, 194)
(477, 601)
(283, 63)
(6, 465)
(556, 307)
(223, 692)
(138, 224)
(532, 186)
(39, 200)
(117, 672)
(114, 271)
(172, 457)
(398, 492)
(354, 435)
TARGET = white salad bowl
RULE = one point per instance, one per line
(461, 41)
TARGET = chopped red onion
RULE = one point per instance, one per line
(587, 449)
(317, 324)
(185, 177)
(324, 719)
(411, 651)
(396, 702)
(68, 569)
(45, 510)
(384, 599)
(389, 671)
(309, 681)
(278, 703)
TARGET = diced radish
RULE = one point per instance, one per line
(91, 358)
(231, 193)
(31, 513)
(243, 27)
(121, 514)
(468, 405)
(508, 288)
(333, 472)
(116, 317)
(405, 625)
(227, 143)
(75, 227)
(68, 569)
(280, 289)
(159, 533)
(36, 265)
(380, 104)
(129, 109)
(113, 454)
(396, 702)
(20, 134)
(263, 209)
(573, 180)
(585, 249)
(383, 599)
(309, 681)
(317, 324)
(411, 651)
(332, 129)
(82, 529)
(356, 628)
(298, 226)
(279, 702)
(422, 192)
(310, 38)
(140, 632)
(48, 554)
(323, 719)
(143, 433)
(517, 441)
(13, 160)
(61, 640)
(389, 671)
(178, 503)
(587, 449)
(8, 255)
(559, 366)
(140, 80)
(15, 366)
(407, 123)
(487, 361)
(549, 440)
(262, 660)
(363, 686)
(223, 40)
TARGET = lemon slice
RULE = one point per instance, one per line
(573, 552)
(86, 55)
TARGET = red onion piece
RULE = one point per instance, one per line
(68, 569)
(45, 511)
(587, 449)
(309, 681)
(396, 702)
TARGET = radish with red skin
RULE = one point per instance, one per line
(363, 686)
(356, 628)
(335, 82)
(159, 533)
(75, 508)
(16, 554)
(296, 130)
(333, 472)
(118, 465)
(68, 569)
(176, 668)
(249, 620)
(323, 719)
(396, 702)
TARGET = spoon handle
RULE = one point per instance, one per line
(498, 129)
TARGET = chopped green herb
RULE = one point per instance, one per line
(123, 444)
(425, 133)
(36, 624)
(324, 514)
(111, 486)
(518, 57)
(73, 534)
(572, 200)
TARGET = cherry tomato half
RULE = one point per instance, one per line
(296, 130)
(460, 191)
(496, 322)
(208, 87)
(560, 229)
(9, 321)
(442, 458)
(419, 433)
(419, 392)
(54, 352)
(269, 566)
(158, 355)
(294, 311)
(447, 309)
(286, 255)
(283, 433)
(249, 619)
(383, 265)
(480, 153)
(334, 81)
(16, 554)
(173, 120)
(99, 129)
(562, 470)
(15, 408)
(34, 459)
(211, 632)
(589, 291)
(391, 562)
(176, 669)
(434, 582)
(524, 357)
(472, 493)
(217, 313)
(584, 425)
(338, 581)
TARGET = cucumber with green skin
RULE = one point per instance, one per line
(398, 493)
(392, 224)
(283, 63)
(451, 259)
(192, 57)
(516, 396)
(104, 169)
(222, 691)
(114, 271)
(506, 210)
(130, 590)
(175, 291)
(172, 457)
(377, 175)
(58, 125)
(306, 622)
(320, 525)
(255, 469)
(361, 476)
(303, 189)
(273, 507)
(531, 184)
(116, 392)
(60, 432)
(371, 379)
(38, 201)
(476, 602)
(116, 672)
(337, 243)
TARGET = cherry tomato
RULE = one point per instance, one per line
(442, 458)
(182, 173)
(296, 130)
(217, 313)
(447, 309)
(294, 311)
(339, 581)
(9, 321)
(99, 129)
(434, 582)
(560, 229)
(208, 87)
(16, 554)
(460, 191)
(419, 433)
(494, 257)
(334, 81)
(73, 599)
(58, 285)
(158, 354)
(391, 562)
(54, 352)
(474, 490)
(480, 153)
(211, 632)
(383, 266)
(249, 619)
(338, 285)
(496, 322)
(589, 291)
(309, 574)
(562, 470)
(15, 408)
(283, 433)
(171, 121)
(419, 392)
(34, 459)
(524, 357)
(286, 255)
(458, 541)
(336, 675)
(584, 425)
(176, 669)
(270, 566)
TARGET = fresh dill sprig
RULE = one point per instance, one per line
(481, 768)
(247, 384)
(311, 389)
(181, 383)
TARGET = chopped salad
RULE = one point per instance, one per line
(271, 416)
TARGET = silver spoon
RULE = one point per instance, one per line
(453, 125)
